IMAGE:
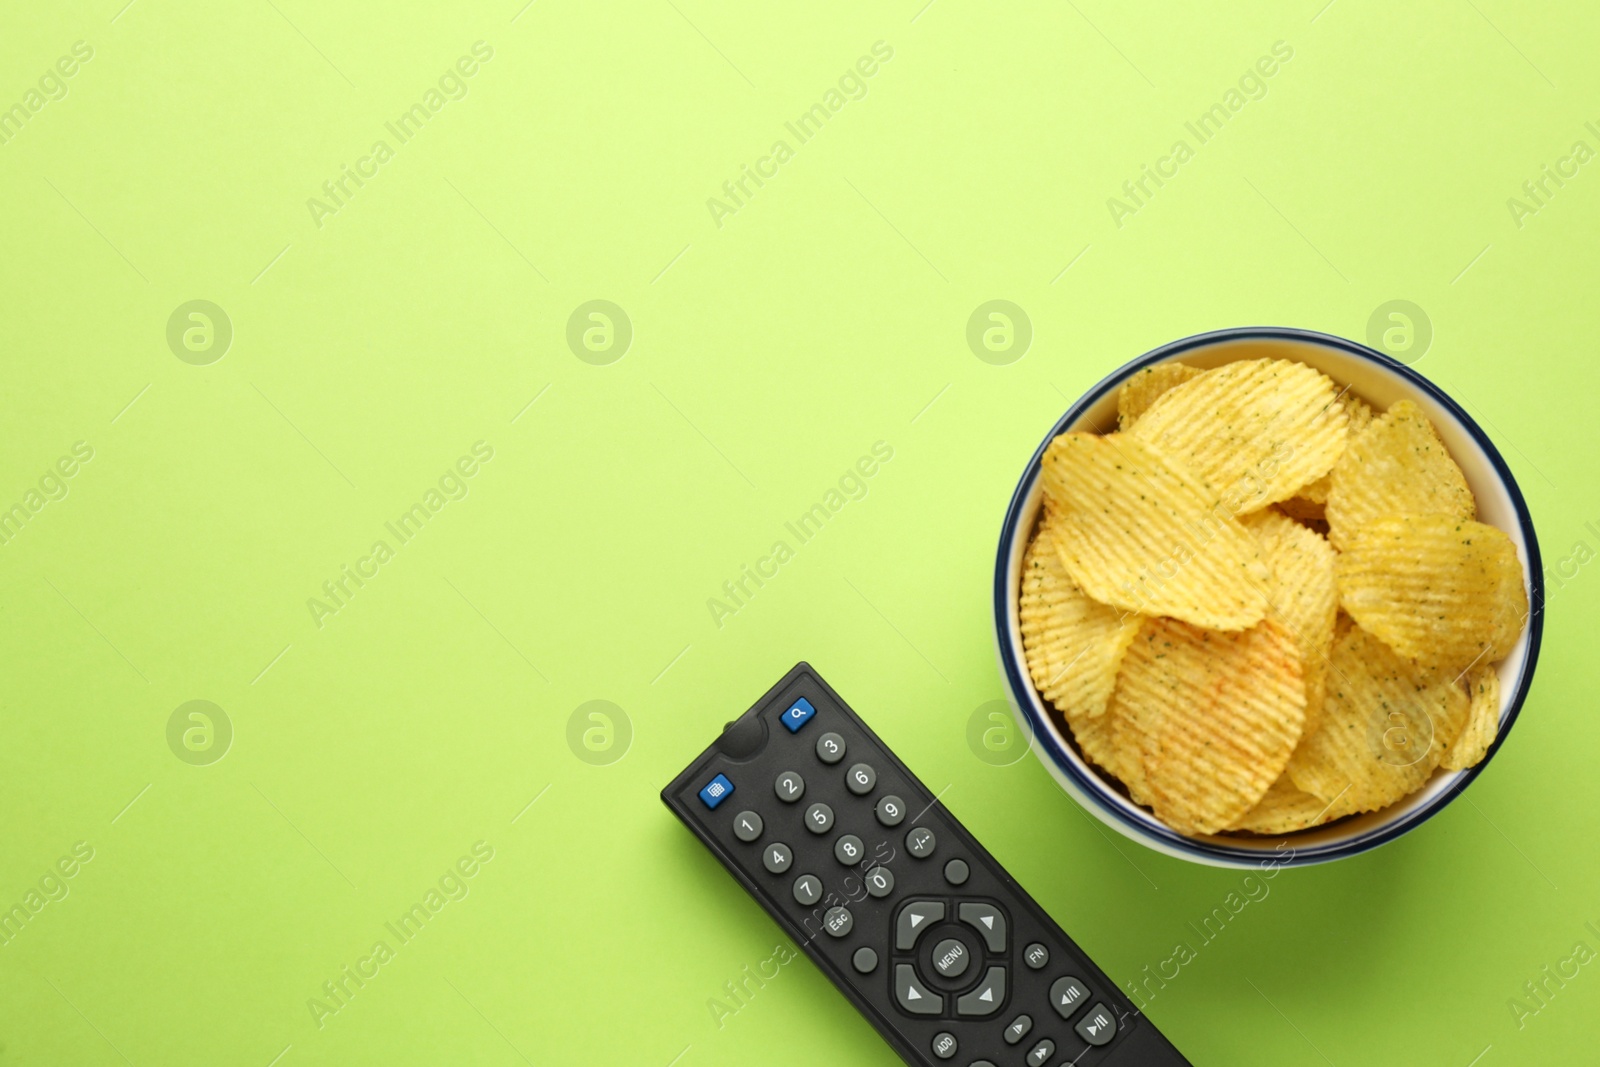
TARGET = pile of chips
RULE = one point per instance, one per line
(1260, 605)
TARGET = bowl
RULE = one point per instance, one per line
(1378, 379)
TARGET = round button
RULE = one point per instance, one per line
(777, 857)
(891, 810)
(860, 779)
(920, 843)
(944, 1044)
(790, 787)
(955, 872)
(1036, 956)
(848, 850)
(830, 748)
(807, 889)
(819, 818)
(880, 882)
(865, 960)
(837, 921)
(747, 826)
(951, 958)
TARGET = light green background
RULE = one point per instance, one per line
(768, 354)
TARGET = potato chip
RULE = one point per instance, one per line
(1140, 391)
(1440, 590)
(1255, 430)
(1141, 533)
(1073, 644)
(1315, 494)
(1285, 809)
(1397, 464)
(1214, 715)
(1303, 596)
(1483, 721)
(1303, 509)
(1385, 726)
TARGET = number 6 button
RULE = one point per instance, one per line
(860, 779)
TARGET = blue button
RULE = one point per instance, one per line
(798, 715)
(716, 791)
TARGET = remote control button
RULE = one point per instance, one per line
(920, 842)
(1018, 1029)
(830, 748)
(790, 787)
(891, 810)
(798, 715)
(777, 857)
(1041, 1052)
(951, 958)
(747, 826)
(837, 921)
(913, 996)
(716, 791)
(981, 1063)
(944, 1044)
(860, 779)
(819, 818)
(848, 850)
(955, 872)
(865, 961)
(916, 917)
(1036, 956)
(1066, 994)
(1098, 1027)
(986, 999)
(880, 882)
(807, 889)
(987, 920)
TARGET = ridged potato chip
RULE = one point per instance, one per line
(1255, 430)
(1303, 596)
(1285, 809)
(1139, 532)
(1443, 591)
(1386, 725)
(1315, 494)
(1397, 464)
(1141, 390)
(1214, 715)
(1073, 644)
(1483, 721)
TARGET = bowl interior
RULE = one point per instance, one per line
(1381, 383)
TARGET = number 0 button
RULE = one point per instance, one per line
(848, 849)
(819, 818)
(880, 882)
(777, 857)
(860, 779)
(830, 748)
(790, 787)
(891, 810)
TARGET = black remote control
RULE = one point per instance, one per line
(911, 918)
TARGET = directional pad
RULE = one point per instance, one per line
(914, 997)
(987, 920)
(916, 917)
(987, 998)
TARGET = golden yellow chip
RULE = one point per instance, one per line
(1141, 390)
(1397, 464)
(1440, 590)
(1285, 809)
(1303, 595)
(1143, 534)
(1073, 644)
(1385, 726)
(1315, 494)
(1255, 430)
(1483, 721)
(1214, 716)
(1303, 509)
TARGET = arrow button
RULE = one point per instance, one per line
(987, 920)
(914, 997)
(915, 917)
(987, 998)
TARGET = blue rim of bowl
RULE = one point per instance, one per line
(1092, 787)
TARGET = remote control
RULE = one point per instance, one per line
(911, 918)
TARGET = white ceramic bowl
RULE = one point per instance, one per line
(1378, 379)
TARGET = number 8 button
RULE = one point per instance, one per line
(848, 849)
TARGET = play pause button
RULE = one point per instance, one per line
(1067, 995)
(1097, 1027)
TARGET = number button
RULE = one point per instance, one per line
(860, 779)
(880, 882)
(807, 889)
(848, 849)
(920, 842)
(891, 810)
(830, 748)
(747, 826)
(790, 787)
(777, 857)
(819, 818)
